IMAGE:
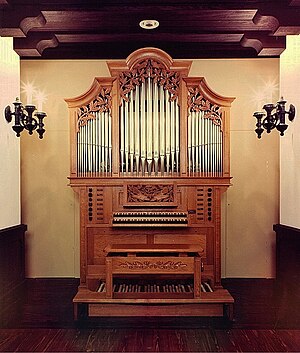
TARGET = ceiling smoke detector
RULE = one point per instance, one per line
(149, 24)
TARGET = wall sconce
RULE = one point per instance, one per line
(277, 119)
(24, 118)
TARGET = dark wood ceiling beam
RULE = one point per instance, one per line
(288, 19)
(96, 4)
(264, 45)
(123, 49)
(161, 37)
(35, 44)
(57, 27)
(76, 20)
(41, 41)
(16, 23)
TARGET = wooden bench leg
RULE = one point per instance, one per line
(109, 278)
(197, 277)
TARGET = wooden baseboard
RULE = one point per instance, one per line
(12, 268)
(254, 305)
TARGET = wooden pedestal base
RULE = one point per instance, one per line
(218, 303)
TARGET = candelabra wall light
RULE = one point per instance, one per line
(26, 117)
(268, 121)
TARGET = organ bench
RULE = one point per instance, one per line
(143, 260)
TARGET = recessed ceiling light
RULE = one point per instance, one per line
(149, 24)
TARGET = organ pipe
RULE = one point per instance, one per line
(177, 127)
(168, 127)
(149, 109)
(126, 139)
(149, 130)
(131, 132)
(137, 128)
(204, 145)
(94, 151)
(162, 128)
(155, 128)
(143, 129)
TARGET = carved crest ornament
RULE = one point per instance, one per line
(102, 103)
(150, 193)
(197, 103)
(169, 80)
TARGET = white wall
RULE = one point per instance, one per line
(290, 143)
(9, 143)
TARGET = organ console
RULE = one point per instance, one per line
(150, 162)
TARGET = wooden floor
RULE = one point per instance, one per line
(148, 340)
(39, 319)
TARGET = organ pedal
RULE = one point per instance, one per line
(169, 287)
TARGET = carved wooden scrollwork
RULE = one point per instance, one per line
(149, 68)
(150, 193)
(102, 103)
(197, 103)
(153, 265)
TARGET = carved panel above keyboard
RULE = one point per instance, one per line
(150, 194)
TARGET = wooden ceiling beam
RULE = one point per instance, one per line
(63, 28)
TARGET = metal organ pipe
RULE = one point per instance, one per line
(168, 134)
(177, 127)
(149, 136)
(79, 147)
(106, 141)
(137, 128)
(149, 124)
(204, 145)
(155, 129)
(109, 143)
(143, 128)
(88, 127)
(83, 152)
(172, 123)
(94, 150)
(206, 121)
(190, 138)
(122, 146)
(193, 119)
(126, 139)
(131, 132)
(162, 137)
(149, 131)
(93, 165)
(196, 142)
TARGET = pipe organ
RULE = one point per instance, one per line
(150, 162)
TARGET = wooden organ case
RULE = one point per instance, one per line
(150, 161)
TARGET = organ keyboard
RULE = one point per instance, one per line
(150, 162)
(150, 219)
